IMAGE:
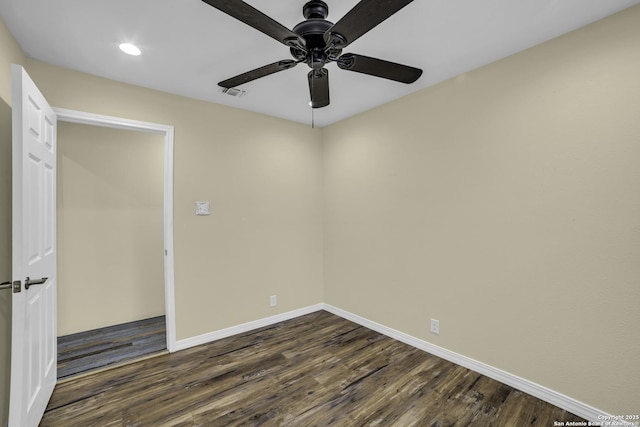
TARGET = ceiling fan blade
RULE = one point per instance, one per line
(363, 17)
(319, 87)
(258, 20)
(258, 72)
(379, 68)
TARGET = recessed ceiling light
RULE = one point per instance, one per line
(130, 49)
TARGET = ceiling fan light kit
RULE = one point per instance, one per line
(316, 41)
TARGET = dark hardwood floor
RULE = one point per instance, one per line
(96, 349)
(315, 370)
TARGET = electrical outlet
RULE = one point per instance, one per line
(435, 326)
(273, 300)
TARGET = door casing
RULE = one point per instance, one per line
(167, 132)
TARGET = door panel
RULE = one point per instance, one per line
(33, 211)
(34, 310)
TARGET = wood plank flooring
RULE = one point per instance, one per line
(315, 370)
(87, 351)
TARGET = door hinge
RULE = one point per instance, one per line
(17, 286)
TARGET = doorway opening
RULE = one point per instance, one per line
(98, 349)
(119, 266)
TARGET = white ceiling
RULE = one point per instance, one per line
(188, 46)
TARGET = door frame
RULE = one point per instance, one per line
(73, 116)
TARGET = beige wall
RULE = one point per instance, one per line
(110, 226)
(262, 178)
(10, 53)
(506, 204)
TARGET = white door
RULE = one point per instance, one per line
(34, 329)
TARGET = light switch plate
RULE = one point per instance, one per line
(202, 208)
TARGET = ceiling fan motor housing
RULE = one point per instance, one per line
(312, 31)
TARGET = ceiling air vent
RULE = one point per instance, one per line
(232, 91)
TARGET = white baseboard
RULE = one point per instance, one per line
(557, 399)
(245, 327)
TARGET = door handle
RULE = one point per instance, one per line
(30, 282)
(16, 286)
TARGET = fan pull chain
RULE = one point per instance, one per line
(313, 125)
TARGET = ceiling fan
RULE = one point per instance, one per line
(317, 41)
